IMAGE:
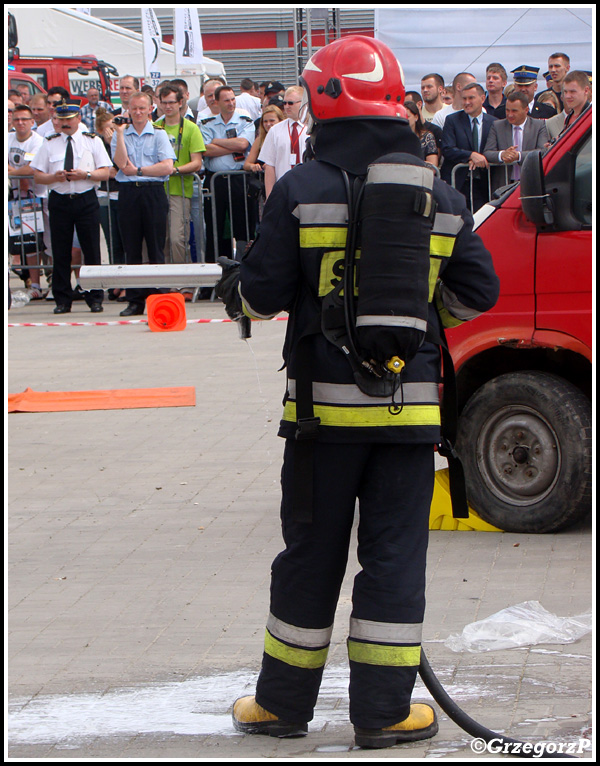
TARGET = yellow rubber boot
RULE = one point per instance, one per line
(250, 718)
(420, 724)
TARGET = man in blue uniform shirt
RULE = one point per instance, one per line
(228, 137)
(144, 156)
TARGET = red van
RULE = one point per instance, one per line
(524, 368)
(19, 78)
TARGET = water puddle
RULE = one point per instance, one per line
(197, 706)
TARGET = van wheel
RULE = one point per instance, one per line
(525, 442)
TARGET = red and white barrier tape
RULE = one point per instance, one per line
(123, 321)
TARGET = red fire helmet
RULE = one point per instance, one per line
(354, 77)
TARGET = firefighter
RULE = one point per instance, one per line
(343, 445)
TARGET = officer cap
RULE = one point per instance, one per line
(273, 87)
(67, 109)
(547, 77)
(525, 74)
(276, 101)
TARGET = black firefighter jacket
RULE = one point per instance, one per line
(298, 257)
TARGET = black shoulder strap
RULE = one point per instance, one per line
(449, 410)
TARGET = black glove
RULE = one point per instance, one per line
(227, 287)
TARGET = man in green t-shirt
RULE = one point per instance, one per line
(188, 145)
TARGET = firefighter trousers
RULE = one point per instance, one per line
(393, 484)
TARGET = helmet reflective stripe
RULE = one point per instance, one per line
(376, 75)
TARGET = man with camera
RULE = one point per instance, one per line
(144, 156)
(227, 136)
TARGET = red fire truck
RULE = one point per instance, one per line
(75, 74)
(524, 369)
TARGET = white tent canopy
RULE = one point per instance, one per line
(47, 31)
(448, 40)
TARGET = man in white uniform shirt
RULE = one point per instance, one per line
(247, 101)
(23, 145)
(71, 163)
(284, 145)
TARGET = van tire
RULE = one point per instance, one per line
(526, 446)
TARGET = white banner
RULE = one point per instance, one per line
(188, 40)
(152, 39)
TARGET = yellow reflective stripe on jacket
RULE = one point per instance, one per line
(292, 655)
(377, 415)
(380, 654)
(323, 236)
(439, 247)
(332, 272)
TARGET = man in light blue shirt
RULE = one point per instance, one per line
(144, 156)
(228, 137)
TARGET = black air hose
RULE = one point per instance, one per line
(466, 723)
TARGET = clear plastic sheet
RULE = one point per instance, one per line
(524, 624)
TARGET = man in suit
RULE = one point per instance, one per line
(525, 80)
(463, 140)
(511, 140)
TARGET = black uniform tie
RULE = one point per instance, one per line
(69, 154)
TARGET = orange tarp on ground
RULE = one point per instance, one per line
(119, 399)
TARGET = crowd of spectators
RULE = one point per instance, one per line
(168, 152)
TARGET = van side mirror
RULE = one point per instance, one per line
(537, 205)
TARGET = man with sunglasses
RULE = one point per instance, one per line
(284, 145)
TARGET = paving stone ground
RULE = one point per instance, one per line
(139, 549)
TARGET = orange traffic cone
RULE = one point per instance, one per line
(166, 312)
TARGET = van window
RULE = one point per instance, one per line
(582, 184)
(31, 87)
(39, 75)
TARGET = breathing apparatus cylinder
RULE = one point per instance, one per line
(396, 219)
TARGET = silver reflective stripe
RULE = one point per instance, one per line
(340, 393)
(446, 223)
(409, 175)
(313, 638)
(391, 321)
(386, 632)
(322, 215)
(252, 312)
(451, 303)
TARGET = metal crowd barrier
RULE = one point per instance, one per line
(26, 229)
(228, 175)
(203, 193)
(471, 174)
